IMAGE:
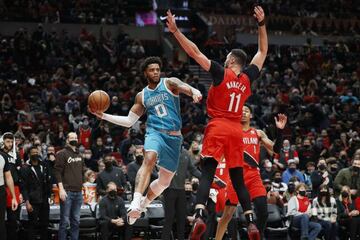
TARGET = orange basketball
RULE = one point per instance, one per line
(99, 101)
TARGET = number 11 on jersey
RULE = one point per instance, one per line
(238, 97)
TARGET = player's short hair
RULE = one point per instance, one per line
(239, 55)
(150, 60)
(249, 107)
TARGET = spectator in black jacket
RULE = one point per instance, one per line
(133, 167)
(110, 174)
(320, 177)
(113, 214)
(127, 143)
(36, 192)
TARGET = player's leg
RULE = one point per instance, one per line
(260, 204)
(234, 160)
(226, 217)
(141, 183)
(158, 186)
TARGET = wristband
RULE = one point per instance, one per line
(262, 23)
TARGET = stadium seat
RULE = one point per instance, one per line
(88, 227)
(156, 215)
(275, 228)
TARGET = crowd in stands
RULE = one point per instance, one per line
(45, 78)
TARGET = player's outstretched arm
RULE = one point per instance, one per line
(189, 47)
(274, 147)
(125, 121)
(260, 56)
(176, 85)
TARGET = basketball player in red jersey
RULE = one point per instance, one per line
(251, 139)
(223, 134)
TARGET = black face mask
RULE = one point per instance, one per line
(333, 169)
(73, 143)
(291, 188)
(302, 193)
(112, 193)
(34, 158)
(195, 151)
(108, 165)
(322, 167)
(356, 170)
(195, 186)
(344, 194)
(188, 193)
(277, 180)
(139, 158)
(323, 194)
(268, 188)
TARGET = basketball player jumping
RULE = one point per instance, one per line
(163, 139)
(223, 134)
(251, 139)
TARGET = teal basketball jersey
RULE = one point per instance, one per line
(163, 108)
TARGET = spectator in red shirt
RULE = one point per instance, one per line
(299, 208)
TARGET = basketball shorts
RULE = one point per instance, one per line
(223, 137)
(166, 146)
(253, 184)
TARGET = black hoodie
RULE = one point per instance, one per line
(68, 169)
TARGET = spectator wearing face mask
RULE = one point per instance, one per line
(194, 152)
(325, 211)
(286, 153)
(310, 168)
(333, 167)
(109, 145)
(306, 154)
(348, 216)
(36, 192)
(134, 166)
(277, 184)
(85, 133)
(273, 197)
(290, 191)
(291, 171)
(349, 177)
(299, 211)
(90, 161)
(110, 174)
(50, 161)
(343, 160)
(175, 197)
(98, 148)
(113, 215)
(320, 177)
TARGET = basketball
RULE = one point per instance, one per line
(99, 101)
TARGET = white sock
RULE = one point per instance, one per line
(146, 202)
(136, 199)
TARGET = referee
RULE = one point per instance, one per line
(5, 177)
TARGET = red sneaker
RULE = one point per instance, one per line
(198, 229)
(253, 232)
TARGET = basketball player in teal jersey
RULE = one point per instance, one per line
(160, 99)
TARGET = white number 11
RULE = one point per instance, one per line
(232, 102)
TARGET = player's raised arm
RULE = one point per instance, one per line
(136, 111)
(274, 147)
(189, 47)
(260, 56)
(179, 86)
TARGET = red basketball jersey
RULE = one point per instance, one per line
(251, 142)
(227, 99)
(84, 136)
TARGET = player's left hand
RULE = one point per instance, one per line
(170, 22)
(280, 121)
(259, 13)
(197, 96)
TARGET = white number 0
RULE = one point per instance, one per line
(161, 110)
(232, 102)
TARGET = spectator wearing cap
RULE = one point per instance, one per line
(349, 177)
(286, 153)
(292, 171)
(127, 143)
(320, 177)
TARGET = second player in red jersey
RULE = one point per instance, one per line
(251, 138)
